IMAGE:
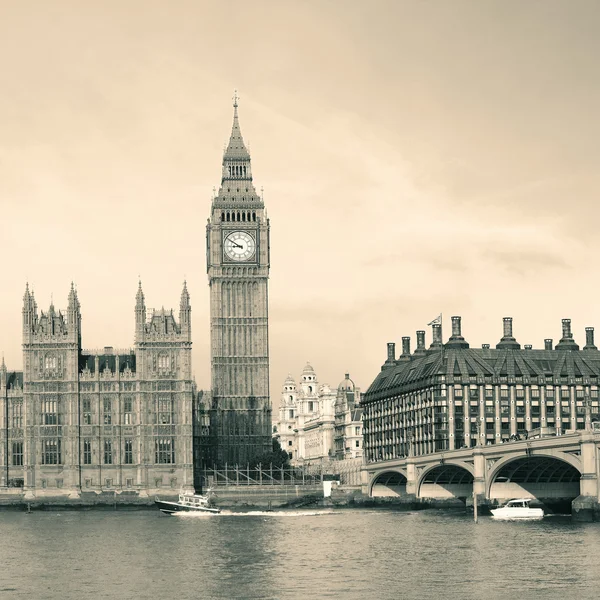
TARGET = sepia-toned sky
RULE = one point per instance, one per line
(417, 157)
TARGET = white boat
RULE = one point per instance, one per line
(518, 509)
(188, 502)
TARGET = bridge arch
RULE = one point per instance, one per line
(549, 477)
(450, 479)
(388, 483)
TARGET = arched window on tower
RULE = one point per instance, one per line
(243, 216)
(244, 171)
(222, 215)
(254, 216)
(228, 216)
(229, 171)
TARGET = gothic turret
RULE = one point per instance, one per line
(140, 313)
(185, 312)
(29, 311)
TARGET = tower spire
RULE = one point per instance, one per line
(236, 149)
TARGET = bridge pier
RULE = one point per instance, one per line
(586, 507)
(411, 477)
(479, 481)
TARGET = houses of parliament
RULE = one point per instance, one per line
(75, 420)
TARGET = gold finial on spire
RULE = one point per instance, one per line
(235, 99)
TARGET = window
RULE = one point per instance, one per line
(503, 392)
(458, 391)
(50, 363)
(129, 483)
(358, 443)
(51, 452)
(108, 456)
(17, 454)
(107, 412)
(291, 414)
(127, 411)
(165, 451)
(49, 414)
(310, 406)
(87, 452)
(357, 431)
(165, 411)
(17, 414)
(87, 411)
(128, 452)
(163, 362)
(290, 443)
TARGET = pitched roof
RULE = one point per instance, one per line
(484, 363)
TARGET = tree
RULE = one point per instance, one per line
(278, 457)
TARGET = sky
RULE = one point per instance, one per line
(417, 157)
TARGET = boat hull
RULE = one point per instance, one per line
(171, 508)
(517, 513)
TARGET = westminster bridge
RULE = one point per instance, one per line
(556, 470)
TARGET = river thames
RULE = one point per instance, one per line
(350, 554)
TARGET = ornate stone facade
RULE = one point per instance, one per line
(76, 420)
(317, 423)
(235, 421)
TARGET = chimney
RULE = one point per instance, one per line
(548, 344)
(508, 341)
(485, 346)
(391, 351)
(420, 342)
(528, 347)
(391, 355)
(436, 336)
(589, 339)
(567, 342)
(455, 326)
(405, 348)
(457, 340)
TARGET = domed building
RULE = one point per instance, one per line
(307, 428)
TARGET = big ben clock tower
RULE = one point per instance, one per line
(237, 238)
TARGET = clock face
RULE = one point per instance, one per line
(239, 246)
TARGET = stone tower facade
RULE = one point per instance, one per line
(77, 421)
(238, 272)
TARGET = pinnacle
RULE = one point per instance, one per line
(236, 148)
